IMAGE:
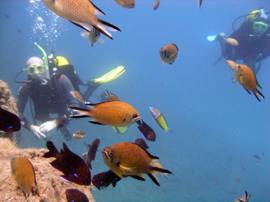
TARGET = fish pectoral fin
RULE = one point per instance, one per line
(154, 179)
(125, 168)
(95, 122)
(120, 130)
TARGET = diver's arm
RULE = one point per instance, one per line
(243, 30)
(22, 101)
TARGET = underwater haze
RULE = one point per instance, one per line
(216, 128)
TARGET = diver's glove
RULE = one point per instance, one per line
(36, 131)
(48, 126)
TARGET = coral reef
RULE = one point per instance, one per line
(51, 186)
(7, 102)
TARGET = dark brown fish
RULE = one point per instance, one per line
(92, 150)
(24, 174)
(73, 166)
(105, 179)
(244, 198)
(141, 143)
(146, 130)
(168, 53)
(74, 195)
(9, 122)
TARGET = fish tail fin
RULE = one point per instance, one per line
(78, 112)
(104, 26)
(260, 93)
(52, 150)
(156, 167)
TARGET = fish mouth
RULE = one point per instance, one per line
(105, 154)
(138, 118)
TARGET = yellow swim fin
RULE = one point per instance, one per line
(110, 76)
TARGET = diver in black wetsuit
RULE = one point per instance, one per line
(50, 88)
(253, 37)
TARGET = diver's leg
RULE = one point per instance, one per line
(65, 88)
(91, 87)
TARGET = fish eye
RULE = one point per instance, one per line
(110, 154)
(135, 116)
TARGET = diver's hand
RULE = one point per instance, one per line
(48, 126)
(36, 131)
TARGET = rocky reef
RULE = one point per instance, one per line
(51, 186)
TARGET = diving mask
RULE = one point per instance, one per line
(35, 70)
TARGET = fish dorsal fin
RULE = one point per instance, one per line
(150, 155)
(52, 150)
(98, 10)
(95, 104)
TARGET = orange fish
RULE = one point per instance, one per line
(77, 95)
(168, 53)
(126, 3)
(113, 113)
(246, 77)
(24, 174)
(81, 13)
(129, 159)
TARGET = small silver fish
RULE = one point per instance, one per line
(79, 134)
(93, 36)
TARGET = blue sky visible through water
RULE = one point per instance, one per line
(216, 127)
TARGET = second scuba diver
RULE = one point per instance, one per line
(253, 38)
(49, 86)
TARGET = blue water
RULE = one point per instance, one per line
(216, 127)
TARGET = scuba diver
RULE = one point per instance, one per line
(252, 37)
(50, 86)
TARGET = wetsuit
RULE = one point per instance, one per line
(252, 49)
(52, 97)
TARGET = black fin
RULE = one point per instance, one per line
(257, 97)
(95, 122)
(258, 84)
(150, 155)
(52, 150)
(109, 25)
(101, 31)
(141, 142)
(162, 170)
(78, 108)
(260, 93)
(137, 177)
(78, 116)
(97, 7)
(79, 26)
(153, 179)
(247, 91)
